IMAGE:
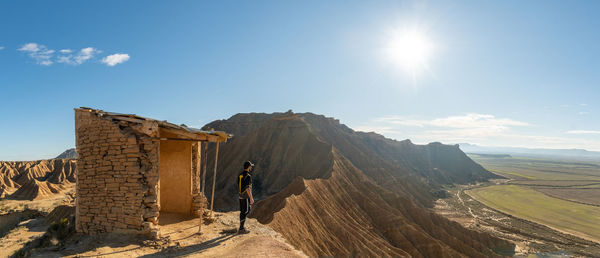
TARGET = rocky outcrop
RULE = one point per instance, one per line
(332, 191)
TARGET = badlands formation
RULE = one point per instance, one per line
(320, 186)
(34, 180)
(332, 191)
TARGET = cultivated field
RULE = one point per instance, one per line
(578, 219)
(561, 194)
(575, 181)
(589, 196)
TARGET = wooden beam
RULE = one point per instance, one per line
(212, 138)
(198, 171)
(128, 119)
(177, 139)
(205, 156)
(197, 175)
(212, 197)
(183, 133)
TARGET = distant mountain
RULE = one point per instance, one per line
(567, 153)
(332, 191)
(68, 154)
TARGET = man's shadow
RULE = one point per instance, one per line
(197, 248)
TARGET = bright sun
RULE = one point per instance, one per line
(409, 50)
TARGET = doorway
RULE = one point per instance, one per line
(175, 181)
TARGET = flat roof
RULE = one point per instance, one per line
(189, 133)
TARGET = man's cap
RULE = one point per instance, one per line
(248, 164)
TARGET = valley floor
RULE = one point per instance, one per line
(529, 237)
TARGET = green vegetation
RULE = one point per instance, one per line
(532, 205)
(587, 186)
(507, 173)
(558, 183)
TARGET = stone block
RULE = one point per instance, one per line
(150, 214)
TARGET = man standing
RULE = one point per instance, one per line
(245, 194)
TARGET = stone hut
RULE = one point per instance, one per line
(131, 169)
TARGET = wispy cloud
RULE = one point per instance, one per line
(31, 47)
(468, 121)
(85, 54)
(451, 128)
(583, 132)
(1, 47)
(45, 56)
(115, 59)
(81, 57)
(40, 53)
(506, 139)
(485, 129)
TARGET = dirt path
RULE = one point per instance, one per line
(180, 239)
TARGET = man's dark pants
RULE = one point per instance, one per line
(244, 210)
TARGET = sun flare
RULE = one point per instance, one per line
(410, 50)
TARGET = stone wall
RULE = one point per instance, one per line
(117, 178)
(198, 198)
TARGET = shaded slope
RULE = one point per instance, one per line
(283, 149)
(68, 154)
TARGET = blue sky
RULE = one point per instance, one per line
(499, 73)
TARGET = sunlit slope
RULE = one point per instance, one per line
(578, 219)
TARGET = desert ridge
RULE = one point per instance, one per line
(333, 191)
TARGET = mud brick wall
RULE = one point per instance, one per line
(117, 176)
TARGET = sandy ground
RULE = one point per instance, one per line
(179, 237)
(44, 205)
(219, 239)
(17, 238)
(29, 229)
